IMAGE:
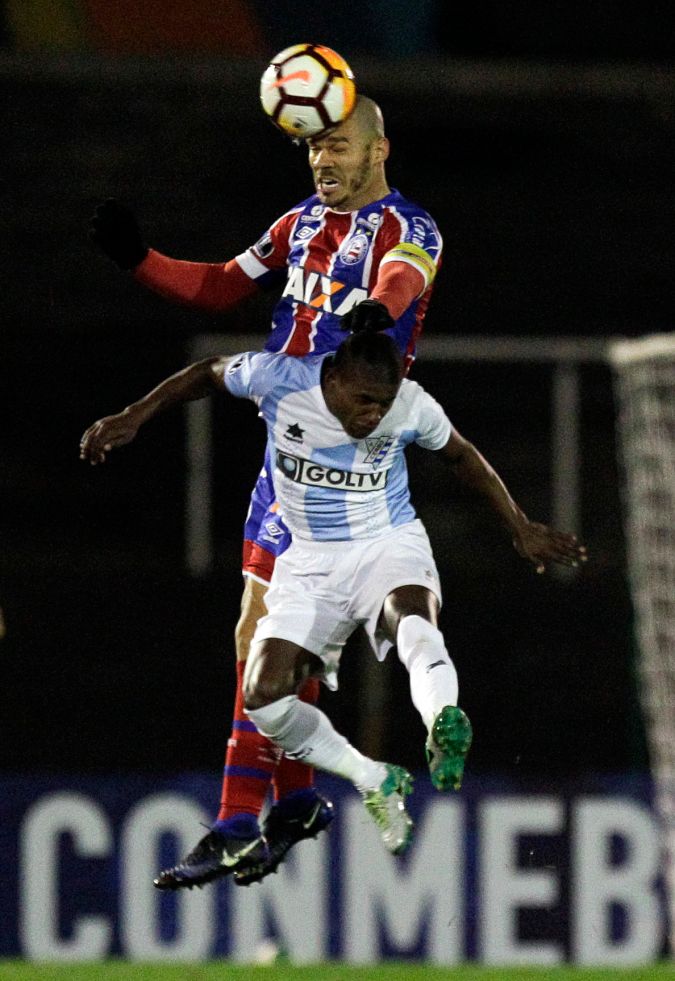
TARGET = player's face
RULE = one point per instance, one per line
(347, 167)
(359, 400)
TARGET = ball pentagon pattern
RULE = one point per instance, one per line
(307, 88)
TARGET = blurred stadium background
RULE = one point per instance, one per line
(541, 139)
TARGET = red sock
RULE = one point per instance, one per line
(249, 764)
(293, 774)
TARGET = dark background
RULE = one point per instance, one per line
(541, 139)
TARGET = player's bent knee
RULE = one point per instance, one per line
(257, 690)
(408, 601)
(260, 695)
(263, 682)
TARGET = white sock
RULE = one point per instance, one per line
(305, 733)
(433, 678)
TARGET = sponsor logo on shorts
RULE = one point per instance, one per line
(314, 475)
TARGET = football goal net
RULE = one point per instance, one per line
(645, 396)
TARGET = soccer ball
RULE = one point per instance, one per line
(306, 89)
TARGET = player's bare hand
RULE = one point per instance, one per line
(540, 545)
(105, 435)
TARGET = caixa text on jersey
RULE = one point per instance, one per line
(322, 292)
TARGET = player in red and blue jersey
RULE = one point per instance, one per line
(355, 252)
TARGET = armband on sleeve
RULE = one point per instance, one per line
(414, 256)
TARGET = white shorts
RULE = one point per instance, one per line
(321, 591)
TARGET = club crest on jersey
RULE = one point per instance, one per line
(322, 292)
(377, 449)
(354, 249)
(315, 475)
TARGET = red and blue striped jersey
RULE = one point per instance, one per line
(327, 261)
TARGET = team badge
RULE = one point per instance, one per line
(377, 450)
(354, 249)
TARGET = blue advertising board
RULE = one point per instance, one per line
(500, 873)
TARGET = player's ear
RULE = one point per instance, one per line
(330, 375)
(381, 150)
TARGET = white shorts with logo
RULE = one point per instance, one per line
(321, 591)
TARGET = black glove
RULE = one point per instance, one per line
(115, 230)
(368, 315)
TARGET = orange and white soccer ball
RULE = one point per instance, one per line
(306, 89)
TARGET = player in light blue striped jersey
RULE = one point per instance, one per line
(338, 425)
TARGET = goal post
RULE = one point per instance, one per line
(644, 379)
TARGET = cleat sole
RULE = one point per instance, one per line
(451, 736)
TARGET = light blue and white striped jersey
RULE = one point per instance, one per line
(331, 487)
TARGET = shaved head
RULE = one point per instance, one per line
(368, 117)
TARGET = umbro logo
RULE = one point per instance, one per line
(294, 433)
(272, 531)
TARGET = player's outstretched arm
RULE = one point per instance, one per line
(536, 542)
(211, 286)
(194, 382)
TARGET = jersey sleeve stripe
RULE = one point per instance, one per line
(252, 266)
